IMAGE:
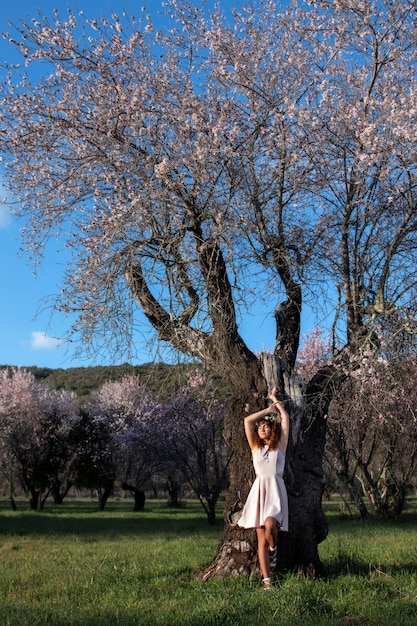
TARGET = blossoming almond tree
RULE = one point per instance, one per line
(371, 447)
(372, 441)
(189, 437)
(113, 439)
(200, 173)
(36, 426)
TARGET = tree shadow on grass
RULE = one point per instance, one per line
(355, 566)
(86, 521)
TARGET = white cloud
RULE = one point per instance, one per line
(41, 341)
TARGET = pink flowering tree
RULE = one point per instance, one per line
(263, 160)
(114, 443)
(372, 441)
(95, 465)
(17, 389)
(371, 449)
(190, 440)
(36, 427)
(130, 439)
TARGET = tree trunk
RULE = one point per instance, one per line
(59, 491)
(138, 495)
(356, 496)
(298, 549)
(209, 505)
(34, 499)
(104, 494)
(304, 480)
(174, 492)
(57, 497)
(11, 490)
(43, 500)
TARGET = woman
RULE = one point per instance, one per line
(266, 507)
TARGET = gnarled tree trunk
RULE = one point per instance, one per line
(138, 494)
(298, 549)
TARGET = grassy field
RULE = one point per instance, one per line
(74, 565)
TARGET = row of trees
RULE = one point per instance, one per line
(123, 434)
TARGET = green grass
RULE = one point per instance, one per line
(74, 565)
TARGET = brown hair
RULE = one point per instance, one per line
(273, 439)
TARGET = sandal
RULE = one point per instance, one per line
(273, 557)
(267, 583)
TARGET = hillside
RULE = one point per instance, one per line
(162, 378)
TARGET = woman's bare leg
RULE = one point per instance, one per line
(271, 532)
(263, 553)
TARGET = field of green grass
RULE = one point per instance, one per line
(71, 564)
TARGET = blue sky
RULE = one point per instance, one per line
(27, 336)
(30, 337)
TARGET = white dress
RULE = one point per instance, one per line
(268, 495)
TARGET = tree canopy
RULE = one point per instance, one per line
(220, 165)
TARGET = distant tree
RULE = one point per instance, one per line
(136, 407)
(95, 468)
(371, 450)
(116, 419)
(11, 408)
(36, 424)
(372, 442)
(60, 416)
(190, 439)
(224, 165)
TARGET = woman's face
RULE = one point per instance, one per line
(264, 430)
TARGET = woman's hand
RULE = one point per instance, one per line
(272, 395)
(276, 406)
